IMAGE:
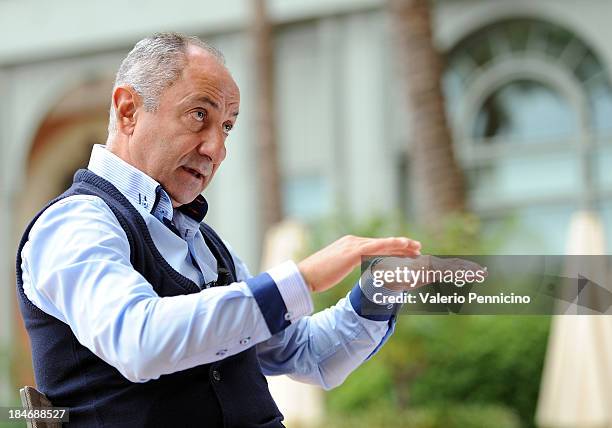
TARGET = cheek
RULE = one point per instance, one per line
(160, 161)
(158, 157)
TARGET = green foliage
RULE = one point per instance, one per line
(442, 360)
(16, 424)
(450, 416)
(9, 359)
(485, 359)
(437, 369)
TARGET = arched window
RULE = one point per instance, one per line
(539, 59)
(531, 110)
(524, 110)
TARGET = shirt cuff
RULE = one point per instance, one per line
(363, 301)
(293, 289)
(282, 295)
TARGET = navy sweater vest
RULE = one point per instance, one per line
(228, 393)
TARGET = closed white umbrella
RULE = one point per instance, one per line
(576, 389)
(301, 404)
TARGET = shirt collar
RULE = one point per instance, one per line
(140, 189)
(196, 209)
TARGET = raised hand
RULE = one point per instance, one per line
(329, 266)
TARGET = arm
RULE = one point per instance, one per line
(76, 267)
(325, 348)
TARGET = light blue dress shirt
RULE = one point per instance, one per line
(76, 267)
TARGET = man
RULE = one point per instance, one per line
(138, 313)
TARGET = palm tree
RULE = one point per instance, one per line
(437, 180)
(267, 151)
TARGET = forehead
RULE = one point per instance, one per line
(206, 75)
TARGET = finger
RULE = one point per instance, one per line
(470, 266)
(392, 246)
(473, 266)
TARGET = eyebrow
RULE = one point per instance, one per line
(207, 100)
(213, 104)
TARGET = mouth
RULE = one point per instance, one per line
(197, 174)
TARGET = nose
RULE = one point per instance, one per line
(213, 146)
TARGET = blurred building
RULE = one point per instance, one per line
(527, 84)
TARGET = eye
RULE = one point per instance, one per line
(227, 127)
(199, 115)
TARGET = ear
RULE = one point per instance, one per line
(126, 102)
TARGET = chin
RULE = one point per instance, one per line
(183, 201)
(186, 199)
(185, 195)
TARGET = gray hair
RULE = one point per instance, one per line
(154, 64)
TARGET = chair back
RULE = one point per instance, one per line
(32, 398)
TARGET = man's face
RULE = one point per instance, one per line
(182, 143)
